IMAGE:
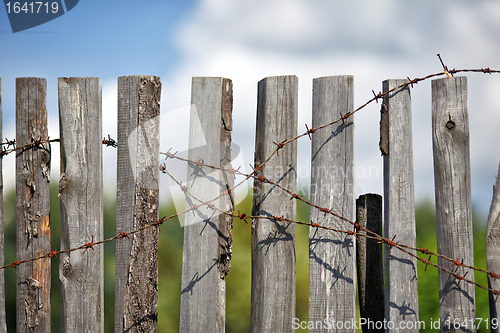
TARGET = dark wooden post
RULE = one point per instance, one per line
(33, 206)
(80, 189)
(369, 260)
(273, 241)
(136, 288)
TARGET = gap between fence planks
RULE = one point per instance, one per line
(450, 134)
(33, 206)
(493, 250)
(207, 232)
(3, 319)
(370, 266)
(273, 241)
(136, 288)
(80, 188)
(332, 256)
(401, 285)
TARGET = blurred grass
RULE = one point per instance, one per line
(239, 278)
(55, 224)
(428, 282)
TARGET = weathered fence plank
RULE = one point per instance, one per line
(450, 134)
(80, 189)
(369, 261)
(493, 250)
(207, 232)
(273, 241)
(33, 206)
(332, 256)
(3, 321)
(136, 287)
(401, 287)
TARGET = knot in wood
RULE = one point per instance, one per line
(32, 283)
(450, 125)
(67, 269)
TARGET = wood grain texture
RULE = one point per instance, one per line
(401, 284)
(273, 242)
(207, 233)
(332, 256)
(81, 273)
(450, 138)
(136, 287)
(3, 321)
(369, 260)
(33, 206)
(493, 249)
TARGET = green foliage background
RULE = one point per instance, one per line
(239, 278)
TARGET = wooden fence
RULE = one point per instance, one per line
(338, 260)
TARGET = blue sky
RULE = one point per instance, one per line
(97, 38)
(249, 40)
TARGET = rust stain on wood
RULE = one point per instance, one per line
(45, 225)
(40, 269)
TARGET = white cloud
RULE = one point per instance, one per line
(249, 40)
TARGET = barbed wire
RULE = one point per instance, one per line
(357, 227)
(34, 144)
(359, 231)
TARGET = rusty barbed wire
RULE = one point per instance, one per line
(356, 232)
(109, 142)
(293, 195)
(254, 175)
(35, 143)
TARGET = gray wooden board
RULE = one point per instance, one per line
(450, 137)
(33, 206)
(401, 284)
(207, 232)
(127, 118)
(369, 261)
(273, 242)
(136, 287)
(3, 323)
(332, 256)
(493, 250)
(81, 273)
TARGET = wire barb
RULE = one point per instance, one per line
(445, 68)
(242, 216)
(89, 245)
(376, 97)
(280, 145)
(123, 235)
(53, 253)
(109, 142)
(310, 131)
